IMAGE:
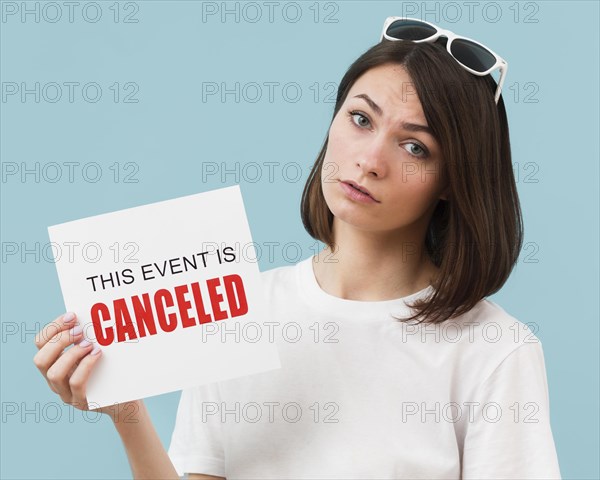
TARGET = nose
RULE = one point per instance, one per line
(373, 159)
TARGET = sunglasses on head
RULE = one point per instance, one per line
(471, 55)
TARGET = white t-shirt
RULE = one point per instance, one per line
(362, 396)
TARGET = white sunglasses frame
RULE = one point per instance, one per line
(440, 32)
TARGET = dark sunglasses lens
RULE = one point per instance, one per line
(472, 55)
(410, 30)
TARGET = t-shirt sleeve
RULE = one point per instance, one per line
(197, 441)
(509, 434)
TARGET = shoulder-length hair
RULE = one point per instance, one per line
(474, 236)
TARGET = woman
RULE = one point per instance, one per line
(402, 368)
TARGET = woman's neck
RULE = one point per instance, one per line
(372, 267)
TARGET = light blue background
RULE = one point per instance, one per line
(169, 53)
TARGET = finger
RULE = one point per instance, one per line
(58, 374)
(68, 375)
(78, 381)
(61, 323)
(52, 350)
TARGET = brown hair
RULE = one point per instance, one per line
(475, 236)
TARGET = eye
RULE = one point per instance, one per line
(420, 151)
(362, 116)
(360, 120)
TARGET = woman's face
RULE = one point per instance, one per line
(390, 153)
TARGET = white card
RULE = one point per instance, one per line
(170, 291)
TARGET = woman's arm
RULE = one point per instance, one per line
(516, 441)
(147, 457)
(146, 454)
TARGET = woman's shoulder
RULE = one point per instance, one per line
(495, 322)
(279, 270)
(283, 275)
(488, 334)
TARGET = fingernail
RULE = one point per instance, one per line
(76, 330)
(84, 343)
(96, 350)
(68, 317)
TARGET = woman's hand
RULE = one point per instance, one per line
(67, 371)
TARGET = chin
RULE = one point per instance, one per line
(358, 220)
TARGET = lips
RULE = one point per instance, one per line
(360, 188)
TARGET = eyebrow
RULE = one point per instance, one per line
(411, 127)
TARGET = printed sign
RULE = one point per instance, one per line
(170, 291)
